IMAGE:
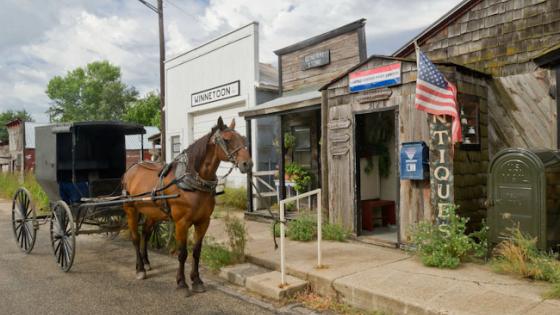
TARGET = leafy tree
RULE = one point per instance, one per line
(95, 92)
(145, 111)
(8, 116)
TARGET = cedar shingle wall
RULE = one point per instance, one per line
(499, 37)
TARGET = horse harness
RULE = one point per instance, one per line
(190, 180)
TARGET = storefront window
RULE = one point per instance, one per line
(470, 126)
(175, 146)
(302, 146)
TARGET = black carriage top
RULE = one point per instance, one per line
(82, 159)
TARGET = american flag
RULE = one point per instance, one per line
(435, 95)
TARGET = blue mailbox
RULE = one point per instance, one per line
(414, 160)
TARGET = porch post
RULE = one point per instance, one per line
(558, 106)
(250, 172)
(281, 171)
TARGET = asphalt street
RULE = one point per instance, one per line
(102, 281)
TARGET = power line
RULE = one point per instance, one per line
(181, 9)
(150, 6)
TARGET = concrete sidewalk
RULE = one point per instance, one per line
(383, 279)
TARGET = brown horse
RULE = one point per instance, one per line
(199, 162)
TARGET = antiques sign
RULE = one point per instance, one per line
(316, 59)
(441, 168)
(214, 94)
(375, 78)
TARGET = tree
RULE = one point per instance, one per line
(145, 111)
(9, 115)
(95, 92)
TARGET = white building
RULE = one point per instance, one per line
(218, 78)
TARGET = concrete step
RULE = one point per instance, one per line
(268, 285)
(237, 274)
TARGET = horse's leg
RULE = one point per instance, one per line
(200, 231)
(181, 228)
(146, 233)
(132, 217)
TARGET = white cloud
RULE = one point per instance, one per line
(59, 37)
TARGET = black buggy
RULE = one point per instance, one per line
(79, 166)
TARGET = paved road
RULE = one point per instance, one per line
(102, 281)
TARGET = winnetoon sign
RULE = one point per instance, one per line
(214, 94)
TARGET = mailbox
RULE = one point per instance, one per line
(524, 190)
(414, 160)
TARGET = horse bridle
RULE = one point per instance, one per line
(221, 142)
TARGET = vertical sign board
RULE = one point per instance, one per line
(441, 167)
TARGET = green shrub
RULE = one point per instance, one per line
(334, 232)
(445, 246)
(299, 175)
(237, 235)
(303, 228)
(518, 254)
(234, 197)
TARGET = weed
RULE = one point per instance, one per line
(216, 256)
(233, 197)
(237, 235)
(334, 232)
(518, 254)
(328, 304)
(445, 246)
(302, 228)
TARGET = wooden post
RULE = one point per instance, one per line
(250, 173)
(281, 170)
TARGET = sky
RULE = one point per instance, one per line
(40, 39)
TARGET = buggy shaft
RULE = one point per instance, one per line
(126, 200)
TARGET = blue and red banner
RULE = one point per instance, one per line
(375, 78)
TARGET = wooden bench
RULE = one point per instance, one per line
(388, 215)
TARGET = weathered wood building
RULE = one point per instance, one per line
(303, 68)
(351, 116)
(503, 57)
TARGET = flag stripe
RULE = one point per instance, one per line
(429, 88)
(432, 98)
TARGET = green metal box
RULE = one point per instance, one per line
(524, 189)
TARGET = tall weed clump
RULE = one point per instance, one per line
(518, 254)
(234, 198)
(237, 237)
(447, 245)
(10, 183)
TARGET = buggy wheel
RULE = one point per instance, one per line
(23, 220)
(63, 235)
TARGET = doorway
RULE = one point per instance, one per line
(377, 177)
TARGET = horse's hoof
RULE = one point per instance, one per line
(182, 285)
(198, 288)
(147, 267)
(141, 275)
(188, 293)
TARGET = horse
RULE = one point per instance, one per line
(196, 166)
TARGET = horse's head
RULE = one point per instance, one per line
(233, 146)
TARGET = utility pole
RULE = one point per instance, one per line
(159, 12)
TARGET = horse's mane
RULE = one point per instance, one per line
(197, 151)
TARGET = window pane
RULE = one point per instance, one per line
(303, 138)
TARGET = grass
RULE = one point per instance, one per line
(519, 255)
(233, 197)
(304, 228)
(215, 256)
(329, 305)
(9, 184)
